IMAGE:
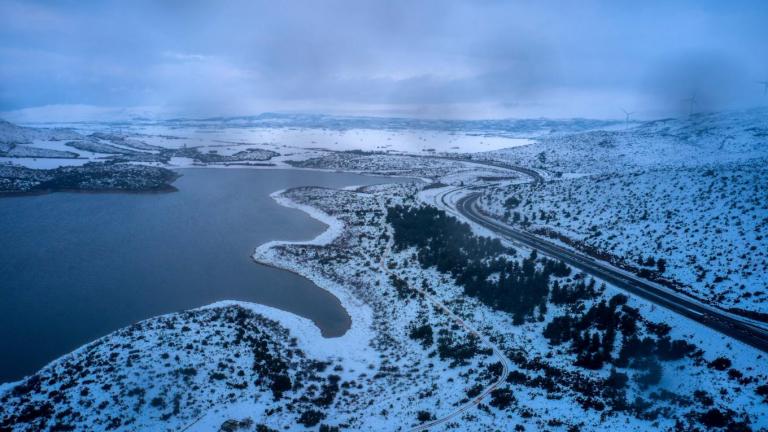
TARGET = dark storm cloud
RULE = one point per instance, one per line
(438, 57)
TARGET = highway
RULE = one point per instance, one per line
(733, 326)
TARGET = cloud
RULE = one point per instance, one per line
(498, 58)
(185, 57)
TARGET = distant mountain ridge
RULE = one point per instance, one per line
(502, 127)
(11, 134)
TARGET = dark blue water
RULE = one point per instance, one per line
(76, 266)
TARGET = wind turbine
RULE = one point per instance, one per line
(627, 114)
(691, 103)
(765, 87)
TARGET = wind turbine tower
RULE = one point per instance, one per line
(691, 103)
(765, 87)
(627, 115)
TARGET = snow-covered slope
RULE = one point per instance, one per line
(168, 372)
(690, 191)
(708, 223)
(695, 140)
(13, 134)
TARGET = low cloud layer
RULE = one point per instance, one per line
(430, 58)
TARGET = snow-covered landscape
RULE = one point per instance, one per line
(689, 192)
(441, 357)
(383, 216)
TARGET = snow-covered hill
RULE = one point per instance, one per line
(14, 134)
(690, 191)
(699, 139)
(166, 372)
(708, 223)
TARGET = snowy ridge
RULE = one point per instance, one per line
(13, 134)
(700, 139)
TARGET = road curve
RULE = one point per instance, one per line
(721, 321)
(532, 173)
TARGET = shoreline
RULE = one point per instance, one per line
(164, 190)
(168, 187)
(353, 344)
(357, 321)
(271, 265)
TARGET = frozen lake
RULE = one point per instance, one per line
(76, 266)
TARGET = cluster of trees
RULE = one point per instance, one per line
(725, 419)
(502, 398)
(478, 264)
(328, 391)
(592, 336)
(518, 288)
(442, 240)
(311, 418)
(422, 333)
(401, 286)
(570, 294)
(459, 351)
(424, 416)
(269, 369)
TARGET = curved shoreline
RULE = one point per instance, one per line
(348, 322)
(338, 326)
(353, 344)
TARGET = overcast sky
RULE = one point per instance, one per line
(484, 59)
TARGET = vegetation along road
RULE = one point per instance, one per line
(731, 325)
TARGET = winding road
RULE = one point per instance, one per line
(736, 327)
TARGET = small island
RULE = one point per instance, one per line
(91, 177)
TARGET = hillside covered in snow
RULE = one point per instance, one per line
(700, 139)
(689, 192)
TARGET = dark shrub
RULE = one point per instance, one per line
(280, 384)
(423, 416)
(502, 398)
(720, 363)
(422, 333)
(714, 418)
(311, 418)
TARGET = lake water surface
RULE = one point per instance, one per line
(76, 266)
